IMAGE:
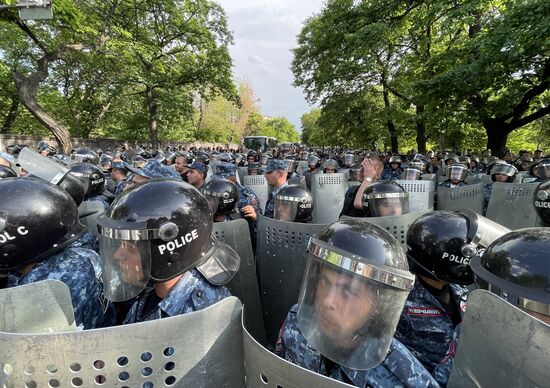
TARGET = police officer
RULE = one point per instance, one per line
(542, 202)
(93, 180)
(504, 173)
(222, 197)
(153, 169)
(254, 168)
(440, 246)
(540, 170)
(167, 243)
(84, 155)
(355, 285)
(196, 174)
(275, 174)
(39, 222)
(411, 174)
(394, 172)
(456, 174)
(293, 203)
(330, 166)
(313, 163)
(386, 198)
(119, 171)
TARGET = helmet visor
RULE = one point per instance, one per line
(349, 318)
(285, 210)
(457, 172)
(126, 267)
(348, 159)
(388, 204)
(41, 166)
(542, 170)
(411, 174)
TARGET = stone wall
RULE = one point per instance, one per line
(32, 141)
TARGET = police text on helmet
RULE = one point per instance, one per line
(178, 243)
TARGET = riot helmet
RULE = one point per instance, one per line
(291, 164)
(516, 267)
(91, 175)
(541, 169)
(239, 160)
(503, 169)
(265, 158)
(354, 289)
(464, 160)
(139, 161)
(214, 157)
(156, 231)
(254, 168)
(450, 158)
(170, 158)
(354, 171)
(53, 172)
(227, 157)
(304, 155)
(349, 159)
(330, 166)
(491, 162)
(6, 172)
(105, 162)
(542, 202)
(441, 244)
(293, 203)
(411, 174)
(222, 196)
(313, 162)
(386, 198)
(396, 160)
(251, 156)
(416, 163)
(37, 219)
(456, 172)
(84, 155)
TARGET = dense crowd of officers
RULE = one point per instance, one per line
(369, 314)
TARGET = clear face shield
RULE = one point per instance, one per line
(411, 174)
(287, 208)
(542, 170)
(349, 159)
(349, 307)
(291, 165)
(264, 159)
(387, 204)
(312, 161)
(457, 172)
(42, 166)
(126, 254)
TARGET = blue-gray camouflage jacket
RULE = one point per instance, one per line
(270, 204)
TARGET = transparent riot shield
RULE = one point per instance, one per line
(281, 259)
(265, 369)
(302, 166)
(429, 177)
(301, 180)
(396, 225)
(258, 184)
(421, 194)
(245, 284)
(500, 346)
(328, 192)
(41, 307)
(511, 205)
(461, 198)
(199, 349)
(88, 211)
(241, 172)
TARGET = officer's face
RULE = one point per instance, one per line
(181, 165)
(283, 212)
(390, 207)
(394, 166)
(128, 258)
(194, 177)
(343, 304)
(330, 170)
(501, 178)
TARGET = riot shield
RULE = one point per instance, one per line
(511, 205)
(429, 177)
(500, 346)
(301, 180)
(328, 192)
(88, 211)
(258, 184)
(245, 284)
(302, 166)
(265, 369)
(281, 259)
(199, 349)
(461, 198)
(421, 194)
(41, 307)
(241, 172)
(396, 225)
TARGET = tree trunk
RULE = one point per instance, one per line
(497, 136)
(390, 124)
(420, 130)
(11, 116)
(26, 93)
(152, 109)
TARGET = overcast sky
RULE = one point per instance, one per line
(264, 32)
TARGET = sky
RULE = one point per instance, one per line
(264, 32)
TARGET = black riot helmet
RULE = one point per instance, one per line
(227, 157)
(222, 196)
(170, 158)
(105, 162)
(516, 267)
(386, 198)
(91, 175)
(354, 171)
(158, 230)
(441, 243)
(540, 169)
(239, 160)
(293, 203)
(373, 267)
(84, 155)
(37, 219)
(542, 202)
(291, 164)
(6, 172)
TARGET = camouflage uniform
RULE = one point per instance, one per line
(119, 187)
(425, 328)
(73, 266)
(88, 240)
(399, 368)
(390, 174)
(270, 204)
(100, 198)
(191, 293)
(247, 197)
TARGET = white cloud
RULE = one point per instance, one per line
(264, 33)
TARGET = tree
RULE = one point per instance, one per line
(310, 125)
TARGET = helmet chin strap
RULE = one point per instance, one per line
(428, 272)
